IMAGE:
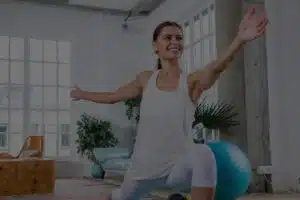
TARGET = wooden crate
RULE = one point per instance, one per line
(27, 176)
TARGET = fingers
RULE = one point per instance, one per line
(261, 30)
(251, 12)
(249, 15)
(75, 87)
(252, 16)
(73, 93)
(261, 18)
(262, 23)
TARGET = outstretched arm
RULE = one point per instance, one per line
(128, 91)
(250, 28)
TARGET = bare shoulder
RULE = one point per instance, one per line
(197, 76)
(191, 78)
(143, 77)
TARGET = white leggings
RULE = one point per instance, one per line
(196, 169)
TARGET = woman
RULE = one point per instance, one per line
(164, 154)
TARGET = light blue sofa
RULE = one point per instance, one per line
(113, 159)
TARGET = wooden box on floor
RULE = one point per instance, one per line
(27, 176)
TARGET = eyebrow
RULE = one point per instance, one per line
(168, 34)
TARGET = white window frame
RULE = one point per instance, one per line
(211, 33)
(26, 100)
(4, 133)
(65, 132)
(10, 87)
(210, 8)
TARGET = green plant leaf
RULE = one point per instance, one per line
(93, 132)
(218, 115)
(130, 105)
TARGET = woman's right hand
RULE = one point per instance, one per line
(76, 93)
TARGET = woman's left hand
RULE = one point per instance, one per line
(252, 25)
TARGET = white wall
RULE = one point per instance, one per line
(100, 49)
(283, 47)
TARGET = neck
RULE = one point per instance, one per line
(170, 66)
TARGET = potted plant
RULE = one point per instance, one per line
(133, 108)
(209, 117)
(133, 114)
(92, 133)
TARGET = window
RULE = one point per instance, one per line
(197, 56)
(206, 52)
(187, 33)
(49, 91)
(35, 129)
(3, 140)
(65, 135)
(212, 19)
(4, 75)
(186, 59)
(197, 27)
(34, 91)
(65, 140)
(200, 45)
(3, 96)
(3, 136)
(12, 84)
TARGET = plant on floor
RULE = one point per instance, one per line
(92, 133)
(133, 108)
(215, 116)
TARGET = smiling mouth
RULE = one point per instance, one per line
(174, 49)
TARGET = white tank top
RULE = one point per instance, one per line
(163, 130)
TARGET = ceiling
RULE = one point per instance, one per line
(110, 4)
(115, 7)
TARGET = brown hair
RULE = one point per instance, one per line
(157, 32)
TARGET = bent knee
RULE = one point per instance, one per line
(203, 165)
(203, 159)
(202, 153)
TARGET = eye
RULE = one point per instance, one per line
(175, 37)
(179, 37)
(168, 37)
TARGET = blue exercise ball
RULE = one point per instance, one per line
(233, 170)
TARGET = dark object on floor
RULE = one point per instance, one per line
(103, 175)
(176, 197)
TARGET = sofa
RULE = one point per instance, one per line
(113, 159)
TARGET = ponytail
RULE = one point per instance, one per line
(158, 64)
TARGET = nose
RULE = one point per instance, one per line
(174, 40)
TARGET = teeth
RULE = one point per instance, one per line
(174, 48)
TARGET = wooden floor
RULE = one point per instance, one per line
(77, 189)
(92, 190)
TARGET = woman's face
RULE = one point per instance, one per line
(169, 43)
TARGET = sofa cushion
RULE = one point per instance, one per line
(104, 154)
(119, 164)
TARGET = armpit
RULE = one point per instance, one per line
(144, 77)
